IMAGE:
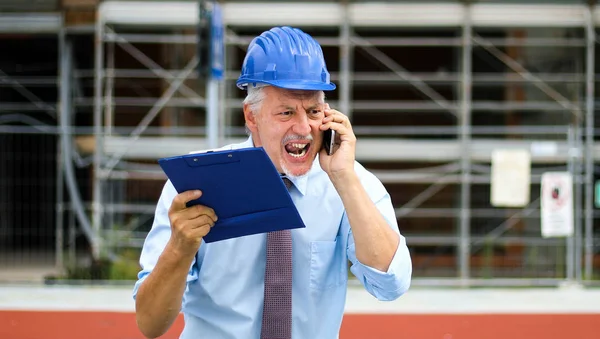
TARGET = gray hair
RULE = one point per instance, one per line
(254, 98)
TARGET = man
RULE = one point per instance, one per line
(285, 284)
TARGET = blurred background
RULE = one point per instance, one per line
(93, 92)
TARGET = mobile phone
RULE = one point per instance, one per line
(328, 141)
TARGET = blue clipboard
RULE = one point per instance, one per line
(242, 186)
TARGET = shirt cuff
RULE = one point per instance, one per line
(395, 281)
(191, 276)
(141, 277)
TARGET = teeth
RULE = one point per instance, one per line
(301, 146)
(298, 155)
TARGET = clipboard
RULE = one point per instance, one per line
(242, 186)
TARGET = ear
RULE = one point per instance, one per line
(250, 118)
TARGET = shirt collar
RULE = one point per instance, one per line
(248, 143)
(301, 183)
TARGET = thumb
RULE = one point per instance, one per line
(181, 200)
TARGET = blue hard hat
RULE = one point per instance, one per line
(285, 57)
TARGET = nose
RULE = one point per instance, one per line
(301, 125)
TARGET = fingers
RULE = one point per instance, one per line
(181, 200)
(201, 221)
(332, 115)
(202, 231)
(187, 236)
(344, 133)
(190, 224)
(338, 122)
(179, 205)
(194, 212)
(195, 216)
(194, 226)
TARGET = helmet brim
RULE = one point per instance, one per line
(292, 84)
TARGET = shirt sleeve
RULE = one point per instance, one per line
(157, 239)
(393, 283)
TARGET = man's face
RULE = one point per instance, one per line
(287, 127)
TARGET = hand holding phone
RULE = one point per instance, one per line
(339, 143)
(328, 141)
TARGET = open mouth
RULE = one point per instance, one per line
(297, 150)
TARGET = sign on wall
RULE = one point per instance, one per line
(511, 178)
(557, 204)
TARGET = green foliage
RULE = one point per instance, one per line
(124, 268)
(488, 259)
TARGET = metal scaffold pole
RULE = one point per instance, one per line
(98, 135)
(346, 51)
(465, 143)
(59, 233)
(589, 144)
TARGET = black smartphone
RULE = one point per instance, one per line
(328, 141)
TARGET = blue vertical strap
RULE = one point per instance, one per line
(217, 55)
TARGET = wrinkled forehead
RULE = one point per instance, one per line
(290, 97)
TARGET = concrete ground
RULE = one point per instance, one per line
(105, 312)
(416, 301)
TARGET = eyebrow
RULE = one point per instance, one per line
(309, 108)
(285, 107)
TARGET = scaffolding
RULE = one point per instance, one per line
(28, 118)
(432, 90)
(398, 135)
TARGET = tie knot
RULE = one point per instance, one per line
(287, 182)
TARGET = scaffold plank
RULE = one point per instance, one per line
(367, 149)
(249, 13)
(30, 22)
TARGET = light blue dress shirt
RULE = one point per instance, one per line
(224, 293)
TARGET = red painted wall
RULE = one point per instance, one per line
(110, 325)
